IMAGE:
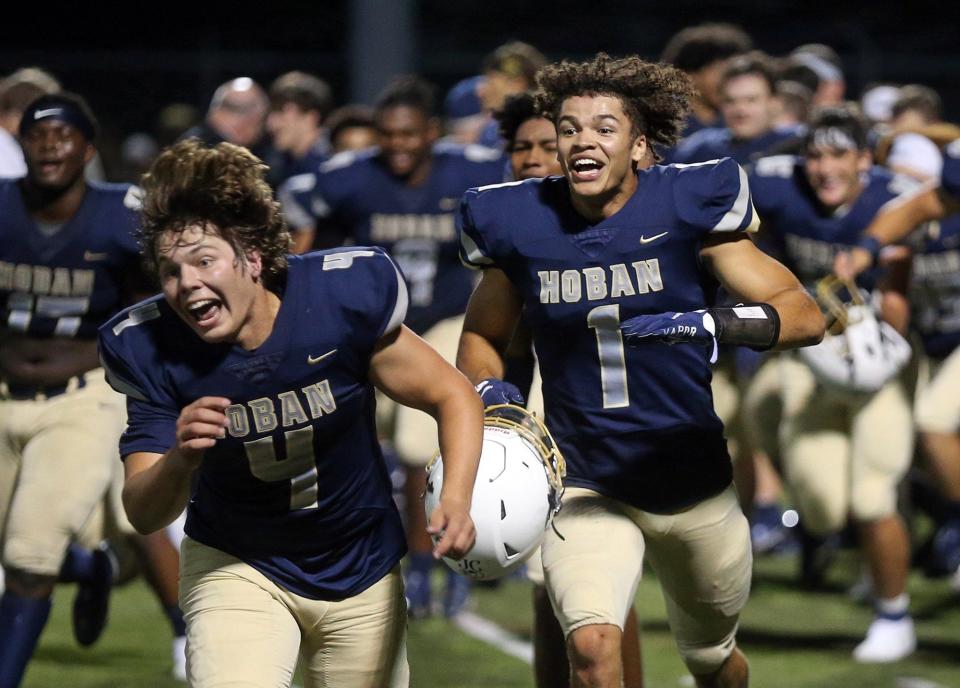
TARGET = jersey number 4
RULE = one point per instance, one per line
(299, 467)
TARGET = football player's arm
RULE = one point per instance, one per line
(751, 275)
(893, 223)
(489, 324)
(409, 371)
(894, 302)
(157, 486)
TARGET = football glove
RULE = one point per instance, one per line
(493, 391)
(672, 328)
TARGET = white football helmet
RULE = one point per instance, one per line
(516, 494)
(859, 353)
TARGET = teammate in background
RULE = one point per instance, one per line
(532, 146)
(248, 357)
(402, 196)
(747, 96)
(351, 128)
(17, 91)
(905, 146)
(464, 118)
(844, 451)
(936, 303)
(702, 52)
(610, 253)
(67, 253)
(824, 61)
(299, 105)
(510, 69)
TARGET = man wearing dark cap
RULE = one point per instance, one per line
(67, 253)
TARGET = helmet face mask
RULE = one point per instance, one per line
(860, 353)
(516, 494)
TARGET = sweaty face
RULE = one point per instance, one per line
(598, 149)
(405, 136)
(834, 174)
(56, 153)
(748, 106)
(534, 150)
(211, 288)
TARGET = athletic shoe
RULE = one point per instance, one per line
(92, 602)
(766, 528)
(457, 594)
(180, 658)
(945, 552)
(816, 555)
(417, 587)
(887, 641)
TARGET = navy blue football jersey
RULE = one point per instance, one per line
(805, 237)
(416, 225)
(67, 283)
(718, 142)
(950, 175)
(636, 424)
(298, 487)
(935, 285)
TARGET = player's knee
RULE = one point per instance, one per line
(594, 646)
(822, 517)
(873, 500)
(707, 660)
(28, 584)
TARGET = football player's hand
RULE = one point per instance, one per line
(493, 391)
(672, 328)
(848, 264)
(452, 529)
(199, 427)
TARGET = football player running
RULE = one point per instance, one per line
(845, 447)
(402, 196)
(250, 396)
(532, 147)
(935, 301)
(609, 255)
(68, 261)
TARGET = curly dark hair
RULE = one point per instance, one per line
(221, 188)
(516, 110)
(655, 96)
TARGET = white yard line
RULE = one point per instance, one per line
(488, 632)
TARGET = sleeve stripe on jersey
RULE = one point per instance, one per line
(400, 308)
(136, 317)
(470, 253)
(733, 219)
(121, 385)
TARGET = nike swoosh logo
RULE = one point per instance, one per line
(40, 114)
(92, 257)
(647, 240)
(314, 360)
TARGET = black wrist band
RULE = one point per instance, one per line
(755, 325)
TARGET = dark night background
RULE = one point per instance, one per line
(131, 60)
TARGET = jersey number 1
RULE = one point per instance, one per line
(605, 321)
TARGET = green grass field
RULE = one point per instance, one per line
(793, 640)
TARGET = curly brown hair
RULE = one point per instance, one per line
(221, 188)
(655, 96)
